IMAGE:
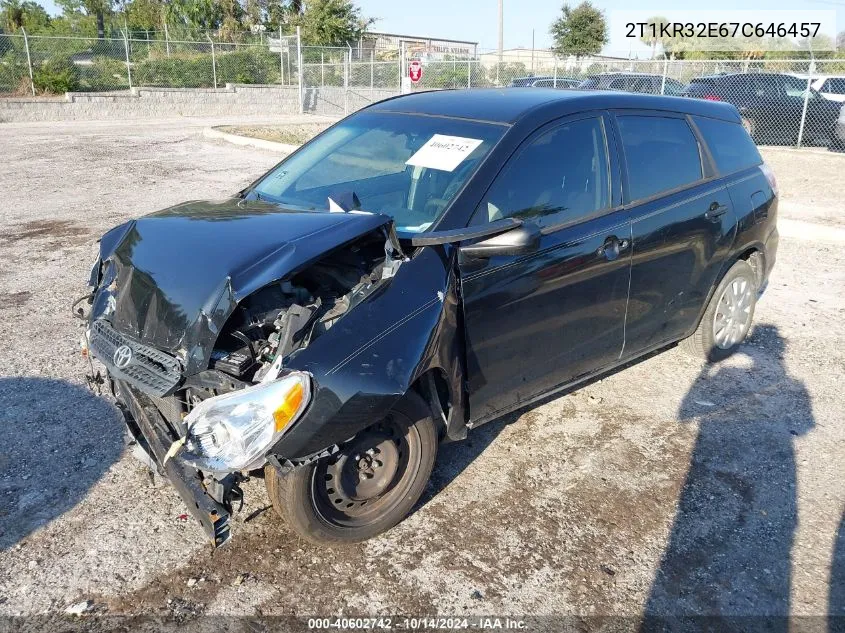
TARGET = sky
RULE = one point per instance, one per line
(476, 20)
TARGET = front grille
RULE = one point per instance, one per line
(150, 370)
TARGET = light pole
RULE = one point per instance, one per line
(501, 38)
(501, 28)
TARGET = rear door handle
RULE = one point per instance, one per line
(715, 211)
(612, 247)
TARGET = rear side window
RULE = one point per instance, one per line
(730, 145)
(661, 154)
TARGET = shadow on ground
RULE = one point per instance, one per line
(836, 604)
(56, 440)
(729, 552)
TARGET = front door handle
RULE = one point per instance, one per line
(612, 247)
(715, 211)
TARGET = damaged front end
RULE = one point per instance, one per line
(237, 334)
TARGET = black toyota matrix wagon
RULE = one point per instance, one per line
(426, 265)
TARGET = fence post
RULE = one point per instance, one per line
(469, 73)
(806, 99)
(554, 81)
(281, 57)
(401, 65)
(346, 68)
(665, 70)
(166, 39)
(322, 69)
(299, 67)
(213, 60)
(128, 65)
(372, 68)
(28, 60)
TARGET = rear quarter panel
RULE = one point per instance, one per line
(755, 206)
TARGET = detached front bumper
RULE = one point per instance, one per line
(149, 429)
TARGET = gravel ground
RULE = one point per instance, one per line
(289, 134)
(668, 488)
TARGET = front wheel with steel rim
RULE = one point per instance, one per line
(365, 488)
(728, 316)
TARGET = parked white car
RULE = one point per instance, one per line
(830, 86)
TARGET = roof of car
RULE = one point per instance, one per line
(509, 105)
(751, 74)
(626, 73)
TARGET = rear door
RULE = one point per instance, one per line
(682, 226)
(538, 320)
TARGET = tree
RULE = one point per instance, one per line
(579, 31)
(145, 15)
(96, 8)
(194, 14)
(29, 15)
(652, 36)
(330, 22)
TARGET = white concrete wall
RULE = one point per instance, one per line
(141, 103)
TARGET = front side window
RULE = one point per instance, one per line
(559, 176)
(406, 166)
(661, 153)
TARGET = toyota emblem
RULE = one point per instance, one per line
(122, 356)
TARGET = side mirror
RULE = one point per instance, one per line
(518, 241)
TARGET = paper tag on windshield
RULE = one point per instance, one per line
(443, 152)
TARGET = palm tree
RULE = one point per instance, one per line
(652, 37)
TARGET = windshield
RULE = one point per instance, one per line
(409, 167)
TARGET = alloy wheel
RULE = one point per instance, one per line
(733, 313)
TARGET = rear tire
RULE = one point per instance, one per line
(368, 486)
(728, 316)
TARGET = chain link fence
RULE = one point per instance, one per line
(31, 65)
(783, 101)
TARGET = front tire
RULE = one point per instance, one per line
(368, 486)
(728, 316)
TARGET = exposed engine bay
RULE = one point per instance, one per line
(271, 326)
(279, 320)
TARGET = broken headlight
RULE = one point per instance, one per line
(234, 431)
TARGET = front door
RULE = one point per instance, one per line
(536, 321)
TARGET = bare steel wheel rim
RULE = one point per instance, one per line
(733, 313)
(369, 476)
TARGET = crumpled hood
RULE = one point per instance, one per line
(173, 278)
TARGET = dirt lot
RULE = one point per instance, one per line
(667, 488)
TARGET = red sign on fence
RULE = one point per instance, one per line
(415, 71)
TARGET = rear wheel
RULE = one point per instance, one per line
(728, 316)
(368, 486)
